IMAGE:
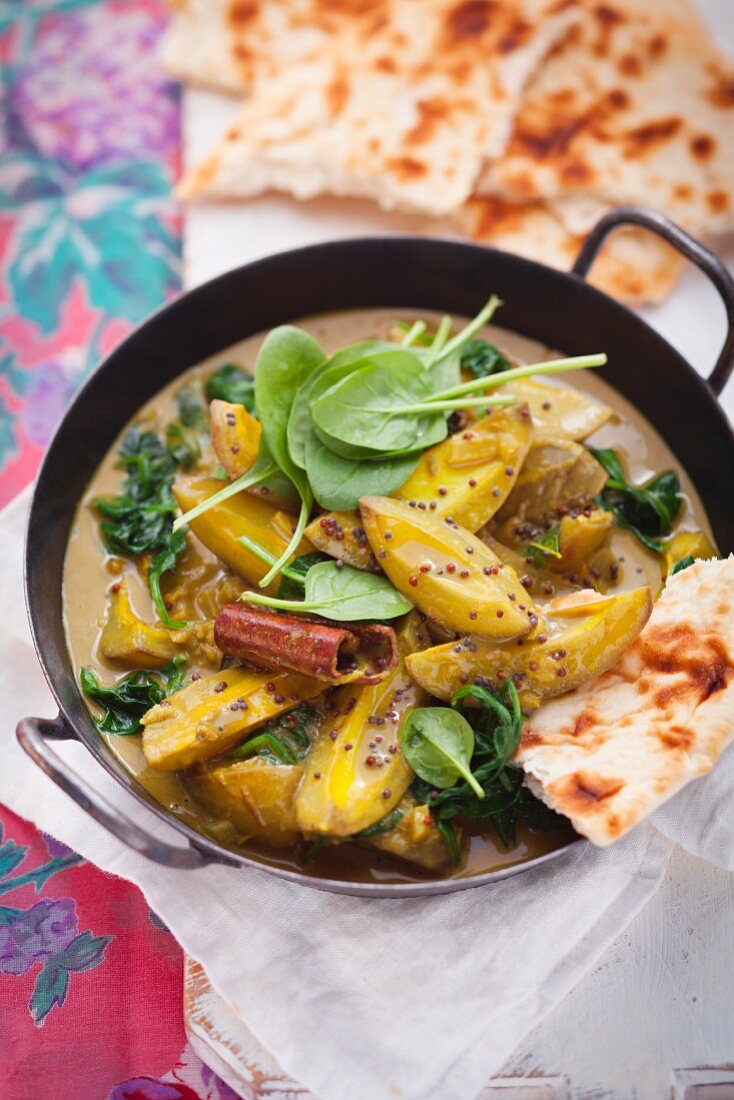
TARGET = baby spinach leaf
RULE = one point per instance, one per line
(287, 357)
(231, 383)
(541, 549)
(127, 701)
(438, 744)
(140, 520)
(496, 723)
(183, 444)
(647, 511)
(341, 593)
(163, 562)
(293, 576)
(318, 382)
(339, 483)
(483, 359)
(384, 825)
(191, 411)
(363, 414)
(682, 564)
(286, 739)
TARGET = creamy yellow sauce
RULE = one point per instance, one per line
(89, 572)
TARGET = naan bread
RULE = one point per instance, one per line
(609, 753)
(402, 109)
(634, 265)
(230, 45)
(636, 106)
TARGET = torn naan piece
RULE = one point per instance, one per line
(405, 112)
(230, 45)
(634, 266)
(609, 753)
(636, 106)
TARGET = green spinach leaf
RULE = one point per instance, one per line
(684, 563)
(483, 359)
(647, 511)
(496, 723)
(191, 411)
(127, 701)
(231, 383)
(293, 577)
(438, 744)
(544, 547)
(363, 415)
(318, 382)
(384, 825)
(287, 358)
(164, 561)
(140, 520)
(343, 594)
(339, 483)
(286, 739)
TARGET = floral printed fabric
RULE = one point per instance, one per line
(89, 233)
(90, 980)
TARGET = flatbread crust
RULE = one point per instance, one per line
(403, 108)
(634, 266)
(609, 753)
(231, 45)
(636, 106)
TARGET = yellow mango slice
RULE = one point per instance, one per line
(560, 411)
(125, 637)
(212, 714)
(258, 798)
(341, 534)
(446, 571)
(685, 543)
(414, 838)
(355, 772)
(235, 436)
(558, 475)
(579, 637)
(470, 475)
(579, 537)
(221, 527)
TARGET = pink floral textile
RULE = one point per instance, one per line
(90, 980)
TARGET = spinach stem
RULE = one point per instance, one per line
(439, 340)
(246, 481)
(417, 329)
(283, 605)
(462, 403)
(553, 366)
(269, 559)
(306, 502)
(481, 319)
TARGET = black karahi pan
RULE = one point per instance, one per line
(559, 310)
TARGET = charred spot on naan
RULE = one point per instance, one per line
(243, 12)
(721, 92)
(700, 662)
(718, 201)
(583, 792)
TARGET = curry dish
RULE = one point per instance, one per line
(312, 610)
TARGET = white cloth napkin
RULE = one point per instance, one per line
(365, 1000)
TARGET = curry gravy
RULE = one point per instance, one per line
(90, 570)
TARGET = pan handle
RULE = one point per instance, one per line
(702, 257)
(33, 734)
